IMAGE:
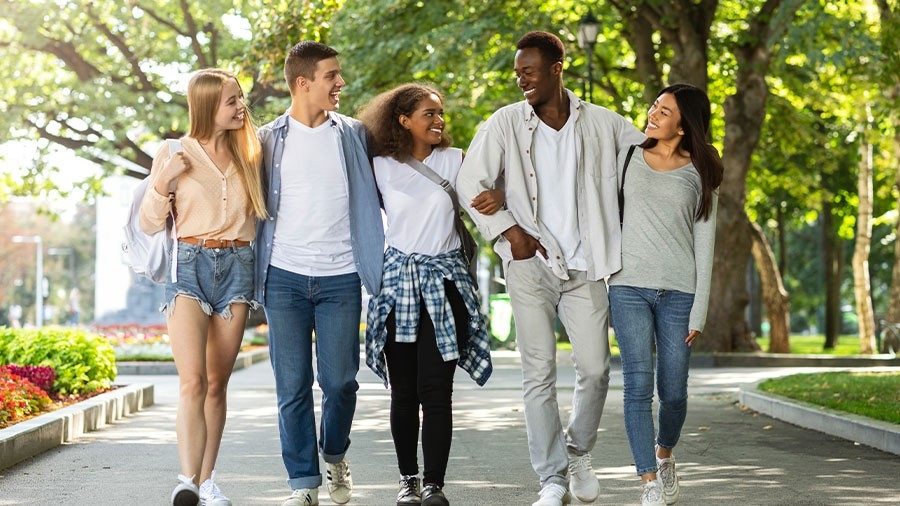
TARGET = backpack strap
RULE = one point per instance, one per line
(622, 186)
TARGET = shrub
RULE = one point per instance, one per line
(19, 397)
(41, 375)
(84, 362)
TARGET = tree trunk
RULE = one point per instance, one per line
(861, 282)
(773, 292)
(893, 312)
(832, 266)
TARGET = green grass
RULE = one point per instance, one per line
(814, 344)
(871, 394)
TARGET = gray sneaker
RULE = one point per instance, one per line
(652, 494)
(340, 485)
(583, 481)
(669, 479)
(409, 491)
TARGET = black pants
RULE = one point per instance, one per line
(419, 377)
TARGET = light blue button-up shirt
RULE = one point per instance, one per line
(366, 230)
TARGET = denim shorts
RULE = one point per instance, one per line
(215, 277)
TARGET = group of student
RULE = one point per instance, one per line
(289, 217)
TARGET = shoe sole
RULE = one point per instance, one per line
(186, 498)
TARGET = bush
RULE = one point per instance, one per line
(42, 376)
(19, 397)
(83, 362)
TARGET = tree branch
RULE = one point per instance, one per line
(122, 46)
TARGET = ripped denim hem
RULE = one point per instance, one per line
(169, 307)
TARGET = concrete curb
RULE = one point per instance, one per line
(244, 359)
(875, 433)
(37, 435)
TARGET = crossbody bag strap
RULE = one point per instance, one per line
(622, 186)
(426, 171)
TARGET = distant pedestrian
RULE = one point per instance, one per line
(659, 298)
(218, 199)
(427, 318)
(558, 239)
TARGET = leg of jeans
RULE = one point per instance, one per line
(402, 365)
(289, 312)
(673, 357)
(436, 391)
(632, 317)
(584, 310)
(534, 293)
(338, 302)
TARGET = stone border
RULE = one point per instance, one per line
(39, 434)
(875, 433)
(244, 359)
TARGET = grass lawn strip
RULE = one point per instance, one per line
(871, 394)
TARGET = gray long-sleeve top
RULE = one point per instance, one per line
(663, 246)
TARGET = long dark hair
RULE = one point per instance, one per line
(693, 104)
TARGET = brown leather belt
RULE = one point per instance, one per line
(214, 243)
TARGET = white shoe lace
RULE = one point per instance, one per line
(651, 493)
(667, 472)
(339, 474)
(580, 463)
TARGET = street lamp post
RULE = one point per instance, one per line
(39, 279)
(588, 30)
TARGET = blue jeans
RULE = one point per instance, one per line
(296, 306)
(642, 317)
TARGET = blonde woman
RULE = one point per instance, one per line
(218, 199)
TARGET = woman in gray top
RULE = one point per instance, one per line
(660, 296)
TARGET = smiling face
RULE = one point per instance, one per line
(231, 111)
(664, 119)
(426, 123)
(325, 88)
(539, 79)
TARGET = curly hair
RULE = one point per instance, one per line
(381, 117)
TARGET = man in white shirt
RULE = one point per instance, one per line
(558, 238)
(322, 239)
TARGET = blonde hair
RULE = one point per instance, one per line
(204, 93)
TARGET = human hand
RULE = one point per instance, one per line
(694, 334)
(489, 201)
(522, 245)
(175, 166)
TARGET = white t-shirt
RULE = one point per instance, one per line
(419, 212)
(312, 234)
(556, 168)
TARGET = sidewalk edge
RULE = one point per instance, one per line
(875, 433)
(33, 437)
(244, 359)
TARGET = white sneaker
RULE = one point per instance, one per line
(582, 480)
(669, 479)
(652, 494)
(340, 485)
(303, 497)
(552, 495)
(210, 495)
(185, 493)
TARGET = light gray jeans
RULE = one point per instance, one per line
(537, 296)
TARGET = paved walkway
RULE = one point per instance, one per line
(727, 455)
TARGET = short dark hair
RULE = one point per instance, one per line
(301, 60)
(549, 45)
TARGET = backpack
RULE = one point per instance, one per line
(150, 255)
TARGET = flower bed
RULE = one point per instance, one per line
(134, 342)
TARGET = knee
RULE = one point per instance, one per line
(194, 386)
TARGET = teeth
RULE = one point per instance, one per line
(528, 92)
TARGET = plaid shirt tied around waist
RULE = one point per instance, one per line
(407, 278)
